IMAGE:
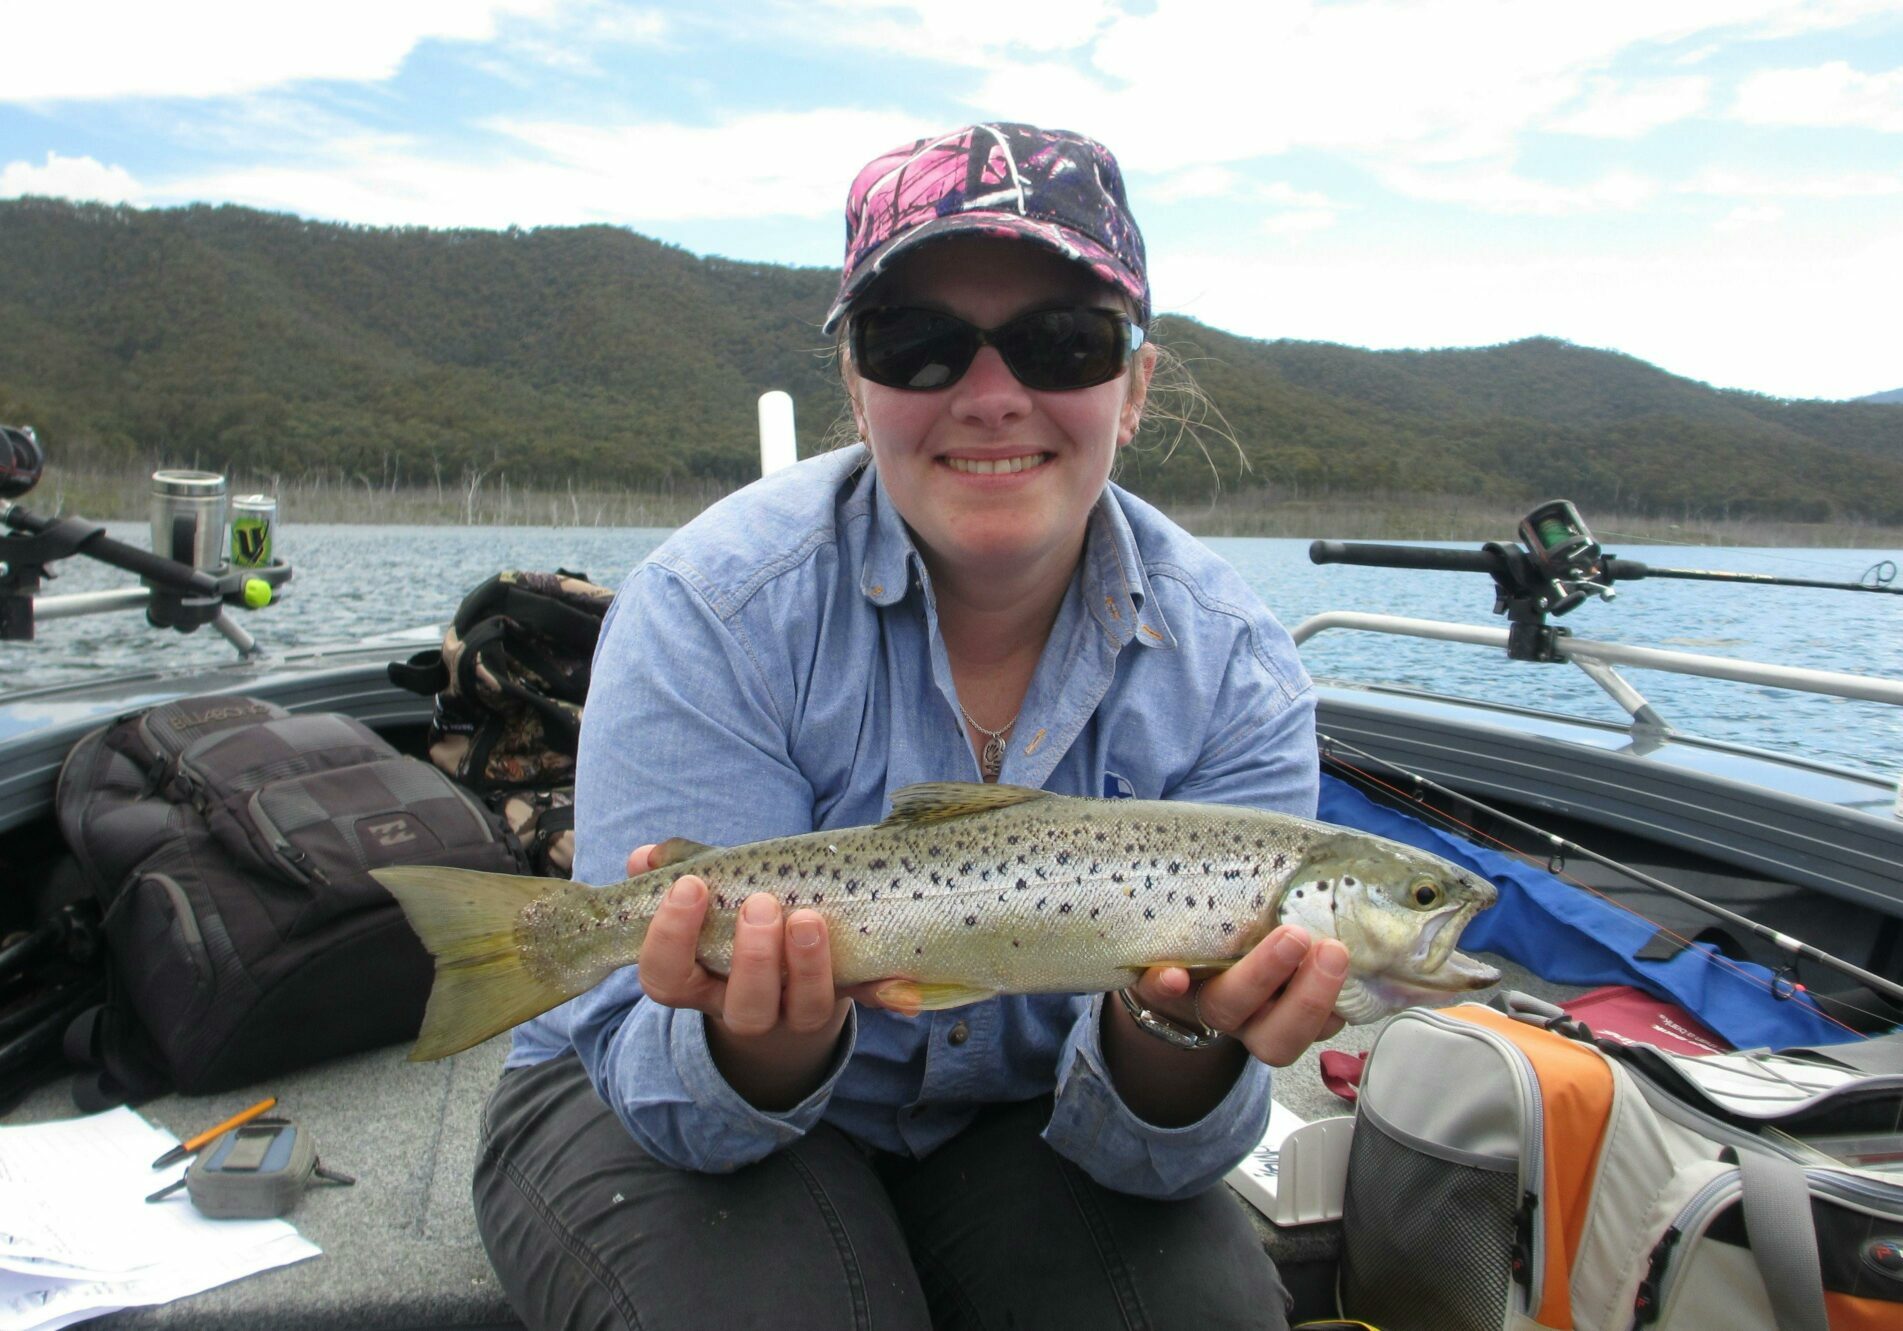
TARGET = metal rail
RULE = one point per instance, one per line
(1597, 659)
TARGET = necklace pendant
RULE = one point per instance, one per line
(991, 761)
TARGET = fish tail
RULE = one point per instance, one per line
(467, 920)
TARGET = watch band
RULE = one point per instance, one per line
(1168, 1029)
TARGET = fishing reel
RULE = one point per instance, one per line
(22, 459)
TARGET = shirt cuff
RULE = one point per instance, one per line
(743, 1131)
(1092, 1126)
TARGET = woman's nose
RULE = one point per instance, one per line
(988, 393)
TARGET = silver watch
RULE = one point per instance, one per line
(1168, 1029)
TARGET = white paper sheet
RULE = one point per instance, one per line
(78, 1239)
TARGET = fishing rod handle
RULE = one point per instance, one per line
(168, 574)
(1403, 556)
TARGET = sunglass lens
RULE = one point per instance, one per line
(1059, 349)
(911, 348)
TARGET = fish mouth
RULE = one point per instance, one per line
(1435, 964)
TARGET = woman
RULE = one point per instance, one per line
(963, 598)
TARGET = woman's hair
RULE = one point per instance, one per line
(1175, 411)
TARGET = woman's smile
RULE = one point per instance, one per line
(999, 466)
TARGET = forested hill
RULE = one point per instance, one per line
(223, 336)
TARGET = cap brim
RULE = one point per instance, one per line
(1060, 240)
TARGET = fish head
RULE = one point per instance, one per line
(1400, 911)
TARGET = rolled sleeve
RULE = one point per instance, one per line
(652, 1066)
(684, 736)
(1093, 1128)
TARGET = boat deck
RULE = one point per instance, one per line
(400, 1248)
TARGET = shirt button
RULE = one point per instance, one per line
(959, 1033)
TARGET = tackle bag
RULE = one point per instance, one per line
(508, 685)
(510, 679)
(1508, 1171)
(230, 844)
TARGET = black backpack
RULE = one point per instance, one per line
(508, 685)
(229, 845)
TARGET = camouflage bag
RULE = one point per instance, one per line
(509, 682)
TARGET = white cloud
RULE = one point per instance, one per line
(83, 178)
(1622, 110)
(1783, 185)
(1501, 190)
(1774, 312)
(1749, 215)
(971, 32)
(1831, 95)
(215, 48)
(1198, 182)
(557, 173)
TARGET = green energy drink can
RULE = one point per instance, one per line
(253, 523)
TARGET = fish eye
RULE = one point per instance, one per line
(1426, 893)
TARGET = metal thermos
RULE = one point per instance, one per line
(188, 518)
(253, 530)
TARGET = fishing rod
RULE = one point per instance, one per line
(1565, 846)
(1556, 564)
(1618, 569)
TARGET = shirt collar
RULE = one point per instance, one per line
(1115, 582)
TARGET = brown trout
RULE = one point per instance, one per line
(967, 891)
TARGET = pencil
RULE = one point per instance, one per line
(209, 1135)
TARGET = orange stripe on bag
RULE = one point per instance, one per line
(1576, 1085)
(1847, 1312)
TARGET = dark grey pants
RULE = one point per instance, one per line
(994, 1230)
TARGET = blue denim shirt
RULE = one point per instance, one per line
(776, 667)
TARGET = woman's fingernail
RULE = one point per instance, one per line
(760, 909)
(686, 892)
(1331, 959)
(804, 932)
(1291, 947)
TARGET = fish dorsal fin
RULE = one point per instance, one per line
(941, 801)
(673, 851)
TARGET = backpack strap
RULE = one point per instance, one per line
(115, 1060)
(423, 673)
(1777, 1218)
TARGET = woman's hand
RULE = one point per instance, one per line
(1276, 1001)
(773, 1020)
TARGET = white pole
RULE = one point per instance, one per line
(777, 447)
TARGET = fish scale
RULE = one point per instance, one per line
(964, 892)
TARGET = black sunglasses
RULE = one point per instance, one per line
(1048, 350)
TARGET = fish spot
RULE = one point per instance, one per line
(865, 928)
(818, 897)
(1014, 942)
(878, 863)
(1022, 884)
(917, 894)
(936, 880)
(1171, 898)
(1041, 901)
(1346, 881)
(1176, 866)
(1258, 901)
(1298, 894)
(1063, 908)
(1227, 928)
(786, 871)
(1281, 861)
(971, 921)
(1148, 913)
(918, 951)
(1093, 912)
(852, 888)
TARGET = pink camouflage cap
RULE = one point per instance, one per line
(1049, 186)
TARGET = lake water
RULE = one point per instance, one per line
(354, 582)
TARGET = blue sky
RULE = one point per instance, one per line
(1715, 186)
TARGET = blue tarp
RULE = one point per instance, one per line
(1569, 936)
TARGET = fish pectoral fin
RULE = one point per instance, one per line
(1199, 968)
(941, 801)
(911, 997)
(674, 850)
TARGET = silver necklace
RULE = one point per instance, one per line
(991, 760)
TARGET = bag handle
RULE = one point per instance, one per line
(1783, 1234)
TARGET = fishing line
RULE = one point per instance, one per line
(1870, 574)
(1563, 845)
